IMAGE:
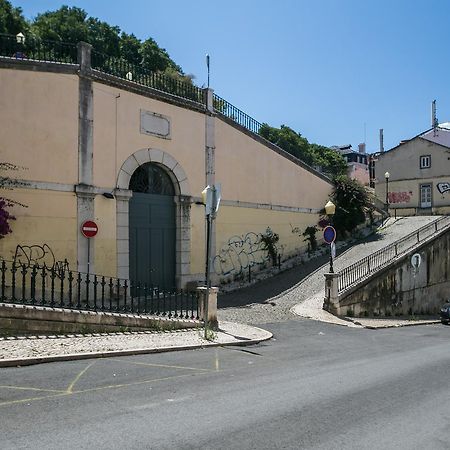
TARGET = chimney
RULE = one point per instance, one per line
(381, 141)
(362, 148)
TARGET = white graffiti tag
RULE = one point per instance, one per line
(443, 187)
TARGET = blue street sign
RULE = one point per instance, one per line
(329, 234)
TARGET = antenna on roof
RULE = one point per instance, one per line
(207, 65)
(434, 121)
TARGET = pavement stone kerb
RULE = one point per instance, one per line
(182, 199)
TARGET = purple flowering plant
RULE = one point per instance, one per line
(5, 217)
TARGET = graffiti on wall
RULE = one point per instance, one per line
(399, 197)
(240, 253)
(39, 256)
(295, 230)
(443, 187)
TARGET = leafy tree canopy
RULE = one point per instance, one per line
(11, 19)
(294, 143)
(352, 201)
(72, 25)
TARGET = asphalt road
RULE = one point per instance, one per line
(316, 386)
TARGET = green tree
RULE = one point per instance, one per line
(67, 24)
(331, 162)
(352, 201)
(156, 59)
(130, 46)
(287, 139)
(12, 20)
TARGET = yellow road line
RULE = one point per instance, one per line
(134, 383)
(159, 365)
(24, 388)
(32, 399)
(71, 385)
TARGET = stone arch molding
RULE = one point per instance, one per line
(153, 155)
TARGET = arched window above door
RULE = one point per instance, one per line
(151, 179)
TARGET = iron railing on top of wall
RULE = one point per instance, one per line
(133, 72)
(42, 286)
(364, 267)
(60, 52)
(37, 50)
(227, 109)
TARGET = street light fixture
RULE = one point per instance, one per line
(386, 176)
(330, 209)
(20, 38)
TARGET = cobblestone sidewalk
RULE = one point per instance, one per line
(36, 349)
(307, 294)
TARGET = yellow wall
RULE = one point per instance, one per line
(49, 219)
(39, 131)
(113, 145)
(251, 172)
(238, 229)
(198, 239)
(39, 124)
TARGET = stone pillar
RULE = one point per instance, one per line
(122, 232)
(85, 211)
(212, 305)
(183, 240)
(84, 190)
(331, 300)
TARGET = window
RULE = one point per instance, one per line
(425, 161)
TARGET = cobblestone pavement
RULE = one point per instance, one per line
(307, 293)
(32, 349)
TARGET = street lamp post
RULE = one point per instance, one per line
(386, 176)
(330, 209)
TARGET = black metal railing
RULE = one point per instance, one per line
(34, 49)
(227, 109)
(364, 267)
(37, 50)
(42, 286)
(132, 72)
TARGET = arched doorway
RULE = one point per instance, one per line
(152, 227)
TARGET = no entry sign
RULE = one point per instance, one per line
(89, 229)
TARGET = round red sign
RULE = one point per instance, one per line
(89, 229)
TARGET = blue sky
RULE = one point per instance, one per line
(334, 70)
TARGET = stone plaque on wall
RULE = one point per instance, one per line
(155, 124)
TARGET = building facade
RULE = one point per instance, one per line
(419, 174)
(135, 159)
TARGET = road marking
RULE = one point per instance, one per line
(24, 388)
(71, 385)
(134, 383)
(32, 399)
(160, 365)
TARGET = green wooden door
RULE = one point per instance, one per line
(152, 227)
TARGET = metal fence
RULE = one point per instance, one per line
(42, 286)
(227, 109)
(33, 49)
(133, 72)
(364, 267)
(37, 50)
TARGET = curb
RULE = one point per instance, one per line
(398, 325)
(142, 351)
